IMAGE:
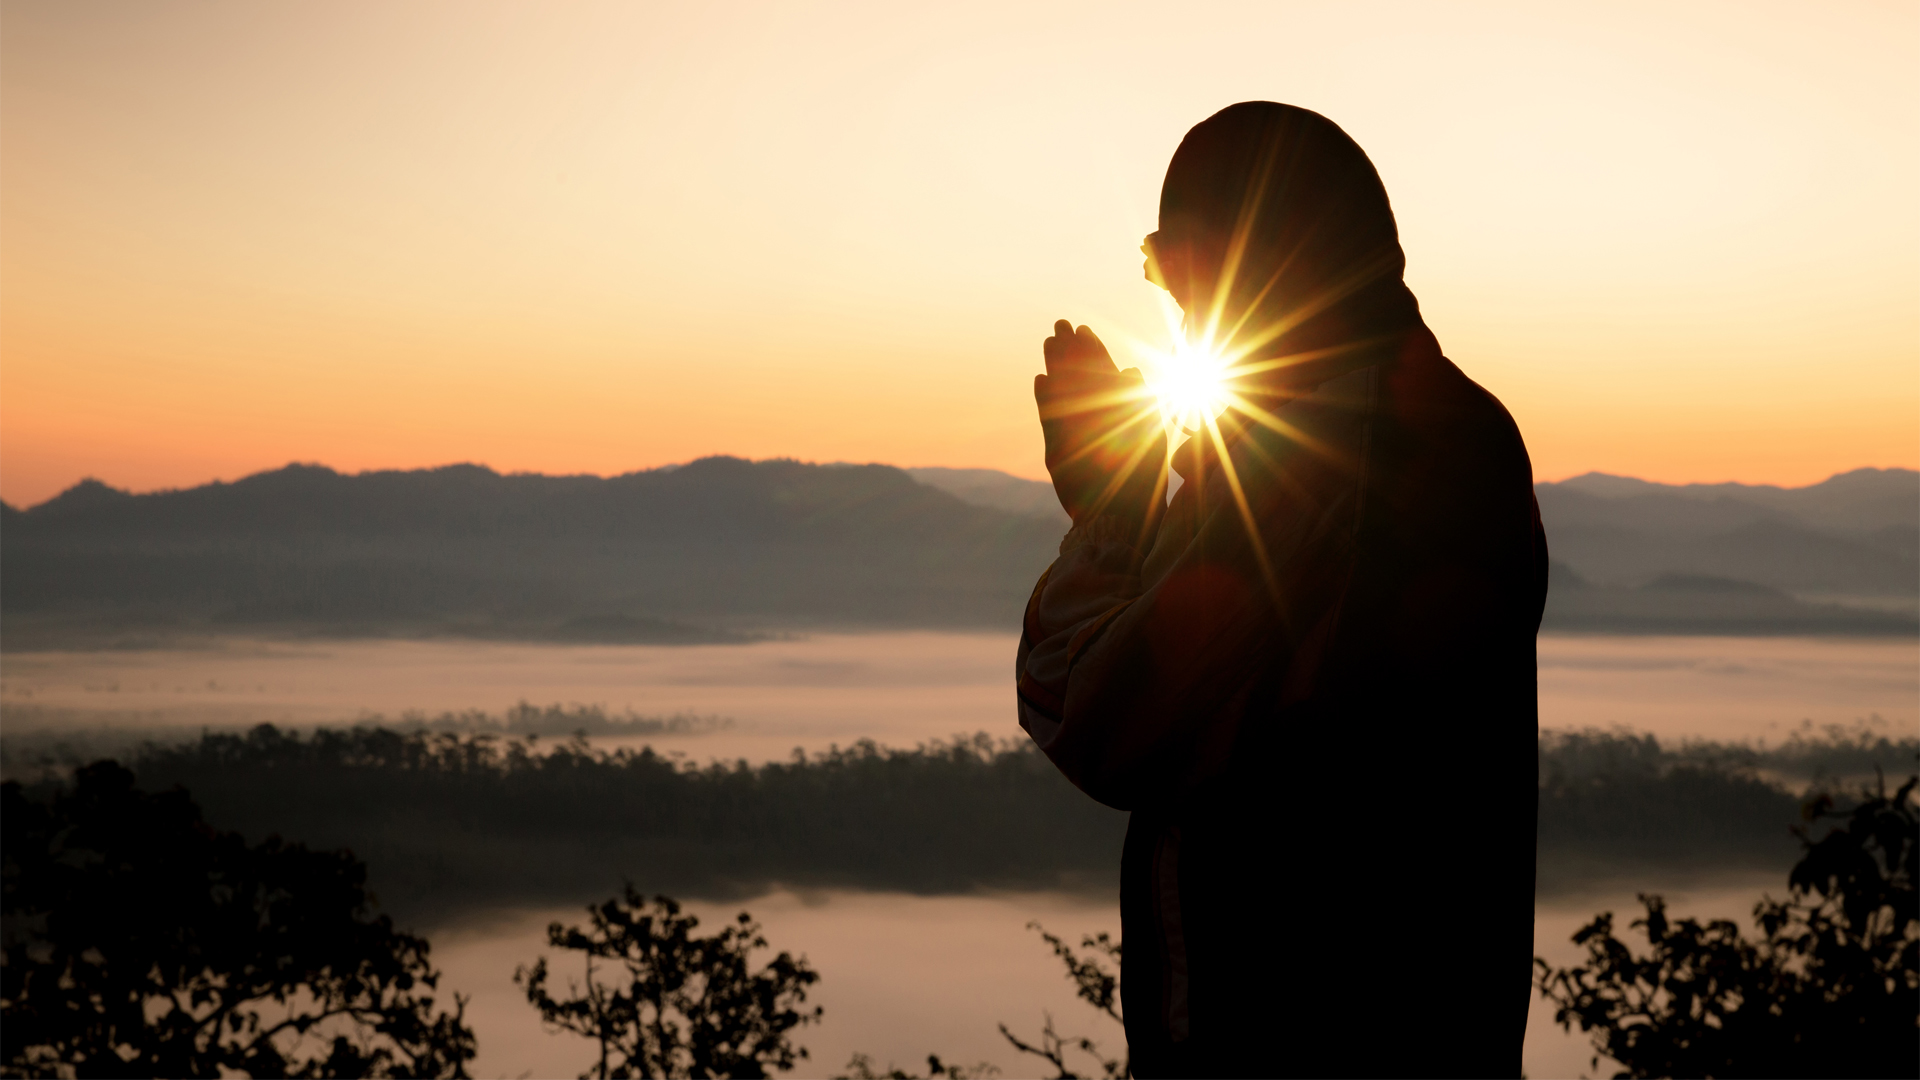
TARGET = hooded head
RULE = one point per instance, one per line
(1277, 240)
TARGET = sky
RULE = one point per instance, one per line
(1679, 241)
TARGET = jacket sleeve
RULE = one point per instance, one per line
(1095, 579)
(1137, 670)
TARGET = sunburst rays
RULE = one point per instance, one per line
(1215, 382)
(1228, 367)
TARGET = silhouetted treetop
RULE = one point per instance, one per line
(141, 942)
(1831, 987)
(662, 1000)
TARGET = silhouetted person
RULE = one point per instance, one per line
(1310, 676)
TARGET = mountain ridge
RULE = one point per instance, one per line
(462, 549)
(992, 482)
(720, 548)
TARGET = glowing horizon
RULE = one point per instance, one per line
(1678, 244)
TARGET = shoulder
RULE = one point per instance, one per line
(1438, 406)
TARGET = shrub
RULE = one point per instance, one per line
(141, 942)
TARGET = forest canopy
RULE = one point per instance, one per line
(447, 820)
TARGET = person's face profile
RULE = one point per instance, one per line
(1182, 261)
(1170, 264)
(1160, 260)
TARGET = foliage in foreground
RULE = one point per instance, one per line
(1094, 970)
(675, 1003)
(140, 942)
(1097, 985)
(1830, 988)
(861, 1067)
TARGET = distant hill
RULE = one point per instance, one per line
(1864, 500)
(722, 549)
(1706, 604)
(706, 551)
(1841, 556)
(1002, 491)
(1854, 537)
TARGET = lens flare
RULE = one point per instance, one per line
(1190, 383)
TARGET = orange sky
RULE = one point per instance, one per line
(1680, 241)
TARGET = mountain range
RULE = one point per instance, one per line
(1628, 555)
(726, 549)
(712, 550)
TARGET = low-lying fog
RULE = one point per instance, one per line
(895, 688)
(902, 975)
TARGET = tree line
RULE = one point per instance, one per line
(447, 820)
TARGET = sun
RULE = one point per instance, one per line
(1190, 383)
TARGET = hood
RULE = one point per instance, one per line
(1294, 216)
